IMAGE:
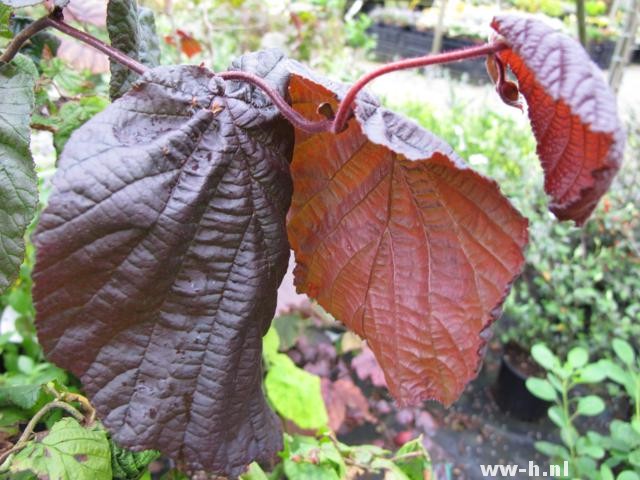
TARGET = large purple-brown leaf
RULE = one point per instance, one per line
(397, 238)
(572, 110)
(158, 261)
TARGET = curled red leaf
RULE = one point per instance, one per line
(572, 110)
(397, 238)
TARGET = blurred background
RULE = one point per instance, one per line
(561, 380)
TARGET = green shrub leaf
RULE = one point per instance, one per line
(594, 373)
(18, 181)
(552, 450)
(132, 30)
(624, 351)
(128, 465)
(578, 357)
(5, 15)
(67, 452)
(23, 396)
(628, 475)
(541, 388)
(590, 405)
(295, 394)
(544, 356)
(415, 468)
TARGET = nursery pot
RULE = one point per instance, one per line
(510, 389)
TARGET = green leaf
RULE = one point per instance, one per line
(254, 472)
(67, 452)
(615, 372)
(577, 357)
(23, 396)
(289, 328)
(132, 30)
(556, 415)
(308, 457)
(392, 471)
(552, 450)
(634, 458)
(624, 351)
(415, 468)
(128, 465)
(295, 394)
(73, 115)
(270, 346)
(593, 373)
(626, 438)
(5, 15)
(545, 357)
(585, 447)
(541, 388)
(590, 405)
(18, 180)
(606, 473)
(628, 475)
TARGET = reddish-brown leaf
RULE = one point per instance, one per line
(572, 110)
(399, 240)
(345, 403)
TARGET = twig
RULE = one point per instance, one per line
(112, 53)
(55, 20)
(28, 431)
(14, 47)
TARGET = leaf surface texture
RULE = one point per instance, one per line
(132, 30)
(401, 241)
(18, 180)
(159, 257)
(573, 114)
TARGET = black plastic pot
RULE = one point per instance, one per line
(511, 392)
(395, 42)
(601, 52)
(635, 56)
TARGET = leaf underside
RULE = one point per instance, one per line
(402, 242)
(572, 111)
(132, 30)
(158, 261)
(18, 181)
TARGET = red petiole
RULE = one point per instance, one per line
(345, 109)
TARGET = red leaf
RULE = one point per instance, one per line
(189, 45)
(345, 403)
(572, 110)
(401, 241)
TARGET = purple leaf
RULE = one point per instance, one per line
(159, 258)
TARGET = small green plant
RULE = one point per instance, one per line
(591, 455)
(324, 457)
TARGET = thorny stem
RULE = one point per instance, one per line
(336, 125)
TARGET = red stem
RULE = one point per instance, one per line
(111, 52)
(287, 111)
(344, 110)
